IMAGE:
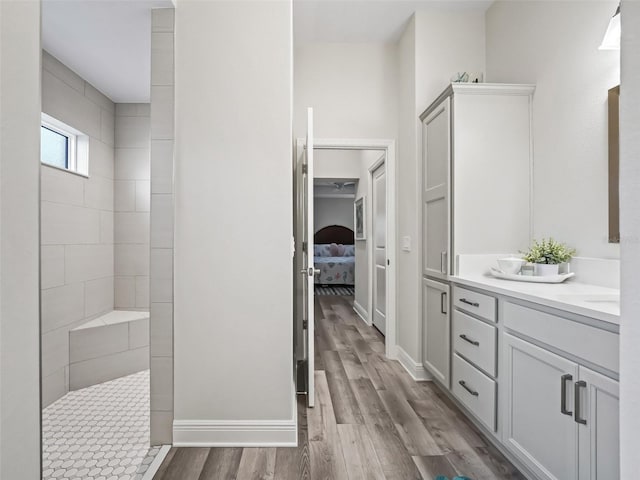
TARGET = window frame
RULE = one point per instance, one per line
(77, 146)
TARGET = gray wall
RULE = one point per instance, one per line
(19, 278)
(332, 211)
(76, 223)
(132, 206)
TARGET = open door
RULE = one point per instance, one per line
(379, 217)
(308, 271)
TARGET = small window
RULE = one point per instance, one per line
(63, 147)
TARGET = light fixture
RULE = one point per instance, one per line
(611, 40)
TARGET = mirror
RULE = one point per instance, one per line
(614, 165)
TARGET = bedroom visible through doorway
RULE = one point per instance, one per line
(346, 241)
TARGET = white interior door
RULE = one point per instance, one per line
(379, 204)
(307, 253)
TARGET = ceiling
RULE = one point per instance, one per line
(107, 42)
(347, 21)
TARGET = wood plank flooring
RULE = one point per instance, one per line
(371, 422)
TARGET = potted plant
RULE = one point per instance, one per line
(547, 255)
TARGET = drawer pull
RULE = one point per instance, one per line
(467, 339)
(468, 302)
(464, 385)
(563, 394)
(576, 399)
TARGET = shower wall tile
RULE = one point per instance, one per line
(125, 292)
(131, 260)
(132, 205)
(162, 225)
(51, 266)
(62, 306)
(98, 296)
(132, 164)
(87, 262)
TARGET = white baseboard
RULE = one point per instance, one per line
(235, 433)
(362, 313)
(415, 369)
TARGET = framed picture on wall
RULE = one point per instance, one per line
(359, 218)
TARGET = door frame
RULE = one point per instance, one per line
(388, 148)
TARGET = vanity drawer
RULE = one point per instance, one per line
(475, 341)
(473, 302)
(475, 390)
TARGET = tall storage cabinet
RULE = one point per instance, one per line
(476, 193)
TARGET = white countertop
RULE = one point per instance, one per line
(589, 300)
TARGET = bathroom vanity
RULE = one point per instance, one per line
(536, 368)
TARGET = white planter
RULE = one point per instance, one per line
(546, 270)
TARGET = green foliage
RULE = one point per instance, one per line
(549, 251)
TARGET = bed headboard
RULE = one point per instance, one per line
(334, 234)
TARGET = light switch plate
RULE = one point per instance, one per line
(406, 244)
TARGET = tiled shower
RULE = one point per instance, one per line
(94, 240)
(95, 256)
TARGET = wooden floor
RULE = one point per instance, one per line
(371, 422)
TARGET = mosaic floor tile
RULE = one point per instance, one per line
(100, 432)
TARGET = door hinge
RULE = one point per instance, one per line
(304, 247)
(304, 168)
(305, 324)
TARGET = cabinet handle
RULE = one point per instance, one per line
(563, 394)
(464, 385)
(467, 339)
(468, 302)
(443, 303)
(443, 262)
(576, 406)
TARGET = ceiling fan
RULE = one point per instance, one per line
(342, 185)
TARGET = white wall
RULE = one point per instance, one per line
(555, 46)
(351, 87)
(336, 163)
(233, 279)
(19, 246)
(77, 229)
(429, 54)
(132, 206)
(630, 232)
(363, 265)
(332, 211)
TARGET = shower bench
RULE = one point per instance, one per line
(108, 347)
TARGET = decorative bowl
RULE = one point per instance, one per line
(511, 265)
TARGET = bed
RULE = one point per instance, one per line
(334, 256)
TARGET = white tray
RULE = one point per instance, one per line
(531, 278)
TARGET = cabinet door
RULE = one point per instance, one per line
(598, 408)
(538, 389)
(436, 330)
(436, 152)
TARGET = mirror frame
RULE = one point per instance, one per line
(614, 165)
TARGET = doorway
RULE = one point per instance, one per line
(382, 159)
